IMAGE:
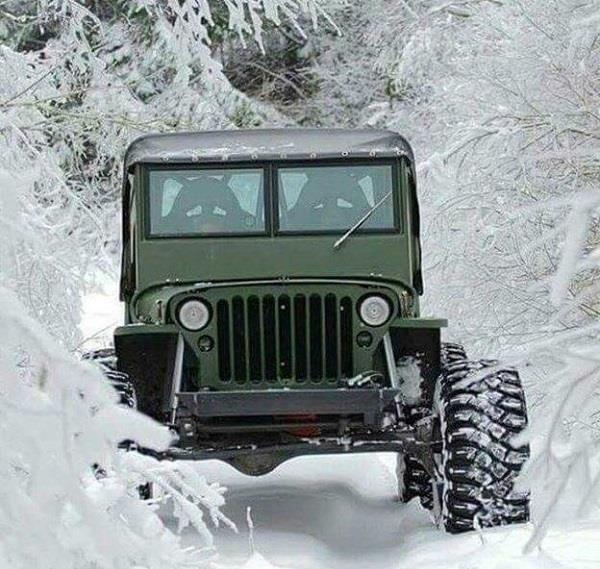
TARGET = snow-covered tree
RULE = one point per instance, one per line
(68, 494)
(82, 79)
(501, 102)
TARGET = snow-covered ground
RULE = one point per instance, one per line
(341, 512)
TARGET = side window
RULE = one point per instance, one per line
(171, 189)
(291, 186)
(366, 185)
(244, 186)
(132, 238)
(127, 284)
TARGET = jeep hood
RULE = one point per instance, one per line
(163, 261)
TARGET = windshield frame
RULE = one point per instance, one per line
(266, 231)
(270, 170)
(395, 229)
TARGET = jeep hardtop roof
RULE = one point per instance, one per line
(265, 144)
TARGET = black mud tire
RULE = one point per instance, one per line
(413, 480)
(479, 419)
(450, 354)
(106, 360)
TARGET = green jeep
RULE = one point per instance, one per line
(271, 280)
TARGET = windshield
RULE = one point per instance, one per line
(206, 202)
(334, 198)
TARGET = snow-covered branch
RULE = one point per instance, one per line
(68, 494)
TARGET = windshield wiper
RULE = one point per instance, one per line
(364, 218)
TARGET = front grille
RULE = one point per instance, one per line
(303, 338)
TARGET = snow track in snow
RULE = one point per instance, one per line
(341, 513)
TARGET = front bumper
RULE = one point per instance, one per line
(370, 404)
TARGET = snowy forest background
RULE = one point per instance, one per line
(501, 100)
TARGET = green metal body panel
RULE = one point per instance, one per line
(225, 259)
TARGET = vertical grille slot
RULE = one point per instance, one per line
(285, 337)
(255, 339)
(316, 338)
(300, 337)
(346, 337)
(239, 340)
(269, 338)
(223, 338)
(331, 336)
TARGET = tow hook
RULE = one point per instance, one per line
(187, 432)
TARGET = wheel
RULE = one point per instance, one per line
(451, 353)
(478, 463)
(413, 480)
(106, 360)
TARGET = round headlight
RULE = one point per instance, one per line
(375, 310)
(193, 315)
